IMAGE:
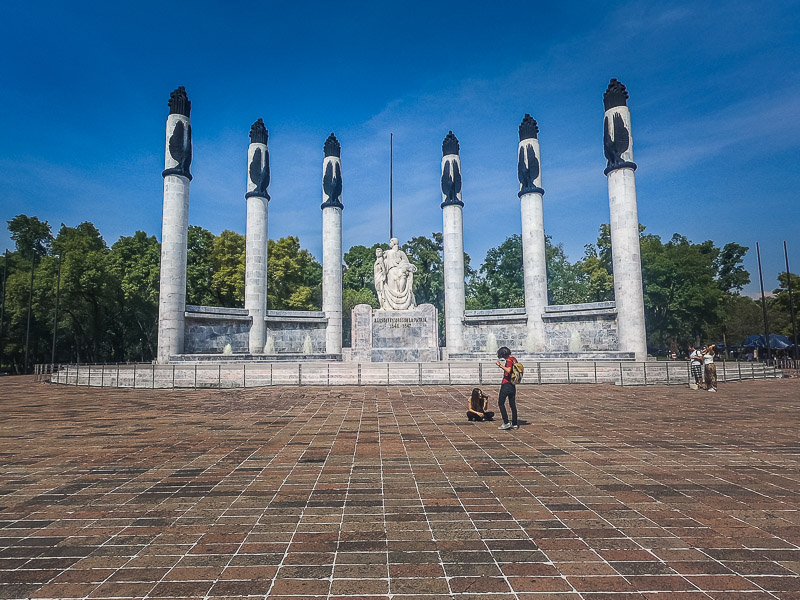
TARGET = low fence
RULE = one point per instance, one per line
(250, 375)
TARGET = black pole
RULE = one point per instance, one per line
(30, 307)
(391, 181)
(763, 304)
(3, 310)
(791, 302)
(55, 314)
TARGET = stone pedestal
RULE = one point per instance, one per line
(394, 335)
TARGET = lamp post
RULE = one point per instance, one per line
(30, 307)
(791, 302)
(55, 313)
(763, 305)
(3, 309)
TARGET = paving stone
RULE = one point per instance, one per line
(362, 492)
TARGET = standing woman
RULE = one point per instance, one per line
(508, 391)
(710, 368)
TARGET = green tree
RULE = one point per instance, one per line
(358, 268)
(781, 302)
(88, 297)
(566, 282)
(501, 279)
(228, 262)
(426, 254)
(135, 263)
(31, 236)
(294, 277)
(683, 299)
(199, 267)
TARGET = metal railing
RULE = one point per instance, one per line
(250, 375)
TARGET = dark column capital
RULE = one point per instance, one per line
(332, 146)
(450, 144)
(615, 95)
(528, 128)
(258, 133)
(179, 103)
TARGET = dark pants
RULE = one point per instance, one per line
(508, 391)
(487, 416)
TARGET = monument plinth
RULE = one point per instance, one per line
(395, 335)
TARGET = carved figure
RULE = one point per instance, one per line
(259, 173)
(379, 277)
(527, 168)
(451, 182)
(615, 147)
(397, 287)
(332, 184)
(180, 149)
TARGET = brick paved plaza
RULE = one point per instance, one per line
(604, 492)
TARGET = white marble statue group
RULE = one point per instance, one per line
(394, 278)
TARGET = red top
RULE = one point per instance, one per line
(509, 363)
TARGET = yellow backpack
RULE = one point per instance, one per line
(517, 371)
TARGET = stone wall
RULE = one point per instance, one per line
(209, 329)
(581, 327)
(487, 330)
(590, 327)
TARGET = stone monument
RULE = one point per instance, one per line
(394, 278)
(255, 276)
(399, 330)
(453, 241)
(174, 227)
(534, 263)
(625, 249)
(332, 244)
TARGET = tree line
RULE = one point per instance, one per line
(108, 296)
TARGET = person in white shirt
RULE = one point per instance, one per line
(696, 364)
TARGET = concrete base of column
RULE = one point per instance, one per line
(534, 269)
(332, 277)
(627, 261)
(454, 296)
(255, 278)
(172, 294)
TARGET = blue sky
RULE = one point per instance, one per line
(715, 100)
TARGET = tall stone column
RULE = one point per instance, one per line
(255, 275)
(332, 244)
(453, 230)
(533, 247)
(175, 227)
(625, 249)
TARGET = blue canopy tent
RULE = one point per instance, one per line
(776, 341)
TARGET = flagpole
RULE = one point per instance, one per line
(763, 305)
(791, 302)
(391, 177)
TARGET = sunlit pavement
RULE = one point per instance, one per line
(604, 492)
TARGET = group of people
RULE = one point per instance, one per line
(702, 364)
(703, 367)
(479, 402)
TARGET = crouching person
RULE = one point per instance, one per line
(476, 410)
